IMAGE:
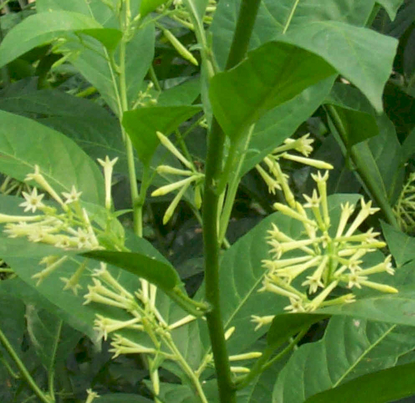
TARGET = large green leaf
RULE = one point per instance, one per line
(42, 28)
(77, 6)
(281, 122)
(92, 127)
(25, 143)
(361, 55)
(350, 348)
(271, 75)
(280, 16)
(379, 387)
(143, 123)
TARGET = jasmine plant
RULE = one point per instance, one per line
(136, 114)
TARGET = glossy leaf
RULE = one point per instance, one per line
(281, 16)
(379, 387)
(143, 123)
(350, 348)
(271, 75)
(156, 272)
(40, 29)
(92, 127)
(25, 143)
(281, 122)
(350, 50)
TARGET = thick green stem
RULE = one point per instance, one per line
(227, 393)
(364, 173)
(23, 370)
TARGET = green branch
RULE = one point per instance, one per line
(23, 370)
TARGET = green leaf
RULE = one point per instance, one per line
(143, 123)
(271, 75)
(386, 179)
(379, 387)
(139, 56)
(91, 126)
(156, 272)
(391, 6)
(350, 348)
(402, 246)
(281, 122)
(281, 16)
(180, 95)
(40, 29)
(77, 6)
(25, 143)
(53, 341)
(358, 126)
(361, 55)
(148, 6)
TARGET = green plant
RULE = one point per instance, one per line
(204, 112)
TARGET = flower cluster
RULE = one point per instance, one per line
(308, 269)
(66, 225)
(275, 178)
(191, 176)
(404, 208)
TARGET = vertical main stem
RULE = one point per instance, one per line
(215, 153)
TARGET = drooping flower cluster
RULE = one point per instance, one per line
(275, 179)
(404, 208)
(307, 270)
(191, 176)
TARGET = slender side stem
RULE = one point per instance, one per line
(189, 371)
(362, 169)
(51, 369)
(23, 370)
(154, 78)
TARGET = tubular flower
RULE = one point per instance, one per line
(276, 179)
(191, 177)
(308, 269)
